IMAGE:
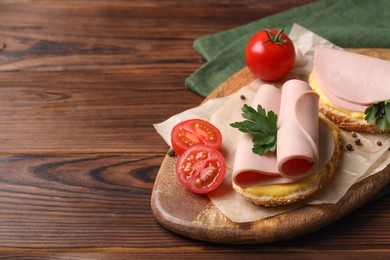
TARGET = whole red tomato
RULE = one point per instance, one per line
(270, 55)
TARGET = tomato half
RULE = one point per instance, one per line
(194, 131)
(270, 55)
(201, 168)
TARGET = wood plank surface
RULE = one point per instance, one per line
(81, 83)
(83, 112)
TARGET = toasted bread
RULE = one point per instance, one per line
(345, 121)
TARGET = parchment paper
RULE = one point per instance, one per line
(365, 160)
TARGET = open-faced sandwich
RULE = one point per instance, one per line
(354, 89)
(302, 161)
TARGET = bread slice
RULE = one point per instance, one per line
(345, 121)
(322, 178)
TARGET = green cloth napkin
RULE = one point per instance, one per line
(346, 23)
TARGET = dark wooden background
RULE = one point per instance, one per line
(81, 83)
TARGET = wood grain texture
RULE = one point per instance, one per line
(54, 112)
(125, 35)
(81, 83)
(200, 219)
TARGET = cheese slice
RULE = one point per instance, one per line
(349, 80)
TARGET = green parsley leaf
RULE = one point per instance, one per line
(261, 125)
(379, 113)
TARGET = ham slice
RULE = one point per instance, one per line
(249, 168)
(297, 146)
(351, 81)
(297, 154)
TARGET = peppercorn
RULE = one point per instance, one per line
(349, 147)
(171, 152)
(354, 135)
(379, 143)
(358, 141)
(242, 97)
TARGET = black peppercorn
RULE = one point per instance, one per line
(171, 152)
(358, 141)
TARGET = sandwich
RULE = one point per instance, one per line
(354, 89)
(306, 153)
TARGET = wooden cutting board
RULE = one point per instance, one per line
(196, 217)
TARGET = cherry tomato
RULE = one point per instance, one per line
(194, 131)
(201, 168)
(270, 55)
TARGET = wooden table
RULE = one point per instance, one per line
(81, 84)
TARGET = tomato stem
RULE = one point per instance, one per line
(275, 38)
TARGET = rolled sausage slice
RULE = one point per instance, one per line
(297, 145)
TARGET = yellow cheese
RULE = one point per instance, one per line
(326, 101)
(280, 190)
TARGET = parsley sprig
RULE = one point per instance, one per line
(379, 113)
(261, 125)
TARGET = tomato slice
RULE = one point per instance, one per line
(194, 131)
(201, 168)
